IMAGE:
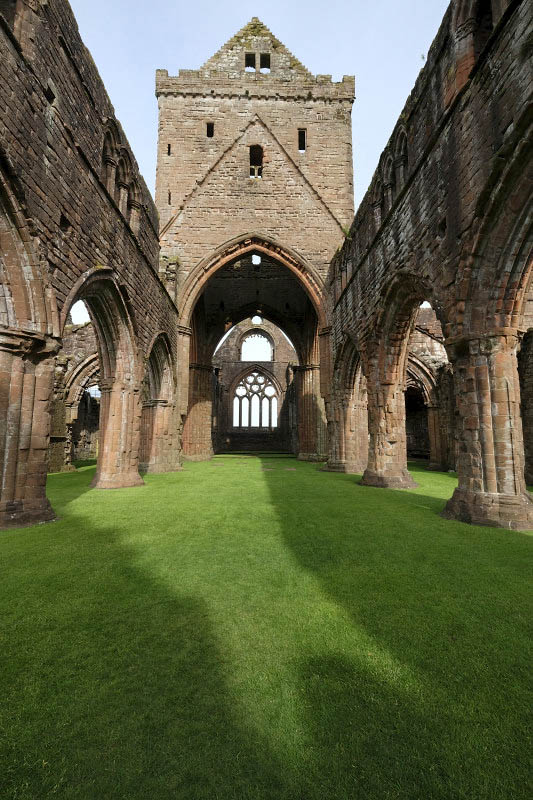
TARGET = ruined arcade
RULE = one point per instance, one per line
(403, 331)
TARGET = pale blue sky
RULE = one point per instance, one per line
(381, 42)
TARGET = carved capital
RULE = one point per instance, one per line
(27, 344)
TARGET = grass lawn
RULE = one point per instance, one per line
(252, 628)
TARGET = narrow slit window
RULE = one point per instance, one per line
(168, 149)
(169, 198)
(302, 140)
(264, 62)
(210, 130)
(256, 161)
(249, 62)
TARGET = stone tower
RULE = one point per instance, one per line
(253, 101)
(255, 193)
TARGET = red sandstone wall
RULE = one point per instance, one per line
(53, 113)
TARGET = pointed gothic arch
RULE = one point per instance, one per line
(238, 248)
(158, 391)
(120, 379)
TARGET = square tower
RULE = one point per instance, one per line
(252, 142)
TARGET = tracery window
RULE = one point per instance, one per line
(255, 403)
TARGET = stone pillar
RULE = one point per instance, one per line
(357, 437)
(490, 462)
(135, 215)
(120, 419)
(348, 430)
(197, 438)
(123, 194)
(387, 447)
(312, 426)
(158, 450)
(27, 366)
(110, 175)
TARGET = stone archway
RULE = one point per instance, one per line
(347, 413)
(120, 410)
(158, 435)
(291, 295)
(27, 349)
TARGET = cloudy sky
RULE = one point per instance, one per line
(382, 42)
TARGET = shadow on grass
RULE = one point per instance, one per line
(113, 687)
(434, 705)
(407, 664)
(65, 491)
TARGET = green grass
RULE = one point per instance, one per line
(252, 628)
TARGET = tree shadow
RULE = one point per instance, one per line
(443, 602)
(63, 488)
(113, 686)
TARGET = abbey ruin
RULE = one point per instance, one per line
(406, 330)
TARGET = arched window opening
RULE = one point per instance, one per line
(255, 402)
(79, 314)
(256, 347)
(256, 161)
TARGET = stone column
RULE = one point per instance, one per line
(27, 366)
(387, 447)
(348, 430)
(312, 426)
(158, 451)
(357, 437)
(490, 463)
(123, 193)
(197, 439)
(335, 460)
(120, 420)
(110, 175)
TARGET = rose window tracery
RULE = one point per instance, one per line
(255, 403)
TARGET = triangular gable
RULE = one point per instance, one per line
(254, 121)
(254, 37)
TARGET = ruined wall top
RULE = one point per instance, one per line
(254, 63)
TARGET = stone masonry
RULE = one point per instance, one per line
(254, 215)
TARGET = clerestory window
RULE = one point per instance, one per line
(255, 403)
